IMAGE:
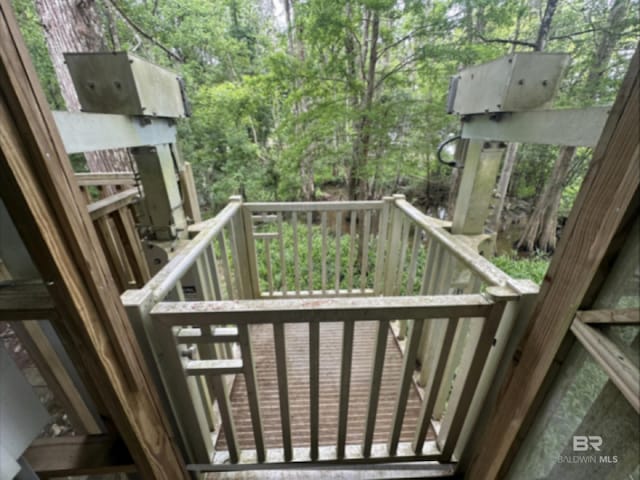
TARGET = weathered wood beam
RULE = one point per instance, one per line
(621, 370)
(25, 301)
(79, 455)
(112, 203)
(106, 178)
(626, 316)
(601, 209)
(44, 200)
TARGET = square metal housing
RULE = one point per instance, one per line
(124, 84)
(514, 83)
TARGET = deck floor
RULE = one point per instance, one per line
(297, 344)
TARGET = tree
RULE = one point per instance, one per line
(540, 231)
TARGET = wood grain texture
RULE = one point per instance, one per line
(79, 455)
(602, 205)
(40, 190)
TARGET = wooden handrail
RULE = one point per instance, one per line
(112, 203)
(479, 265)
(313, 206)
(101, 179)
(320, 310)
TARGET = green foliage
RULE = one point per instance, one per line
(277, 105)
(532, 268)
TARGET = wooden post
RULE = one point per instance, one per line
(476, 187)
(606, 204)
(247, 225)
(393, 254)
(382, 247)
(40, 190)
(189, 193)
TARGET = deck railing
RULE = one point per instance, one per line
(454, 312)
(111, 199)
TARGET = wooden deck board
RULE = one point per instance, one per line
(297, 345)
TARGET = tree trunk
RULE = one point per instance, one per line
(540, 231)
(75, 26)
(358, 181)
(545, 25)
(503, 184)
(296, 49)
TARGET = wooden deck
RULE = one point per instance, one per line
(297, 338)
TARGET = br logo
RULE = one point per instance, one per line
(583, 443)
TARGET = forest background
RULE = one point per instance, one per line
(345, 99)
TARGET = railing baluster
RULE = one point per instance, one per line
(404, 242)
(208, 276)
(296, 255)
(267, 256)
(225, 265)
(364, 267)
(314, 386)
(345, 383)
(430, 335)
(310, 249)
(213, 262)
(352, 243)
(179, 291)
(224, 405)
(471, 367)
(375, 384)
(323, 261)
(338, 268)
(408, 365)
(411, 276)
(439, 358)
(458, 347)
(238, 271)
(283, 387)
(430, 280)
(413, 264)
(283, 265)
(252, 389)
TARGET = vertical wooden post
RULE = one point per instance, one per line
(189, 193)
(40, 190)
(383, 227)
(393, 253)
(246, 269)
(481, 165)
(251, 252)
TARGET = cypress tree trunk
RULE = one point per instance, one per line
(76, 26)
(540, 231)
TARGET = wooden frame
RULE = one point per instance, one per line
(621, 370)
(79, 455)
(38, 188)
